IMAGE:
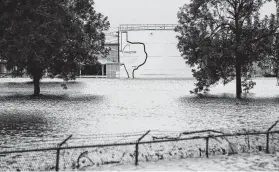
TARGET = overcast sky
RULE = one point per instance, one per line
(147, 11)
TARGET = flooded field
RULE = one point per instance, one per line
(95, 106)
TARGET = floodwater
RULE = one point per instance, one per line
(103, 106)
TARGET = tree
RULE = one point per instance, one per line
(222, 39)
(275, 55)
(50, 37)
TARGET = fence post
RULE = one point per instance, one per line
(58, 152)
(206, 148)
(137, 154)
(267, 136)
(57, 158)
(267, 143)
(137, 148)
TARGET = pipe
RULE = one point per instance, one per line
(125, 69)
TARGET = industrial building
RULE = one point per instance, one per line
(111, 63)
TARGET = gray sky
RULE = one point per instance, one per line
(147, 11)
(139, 11)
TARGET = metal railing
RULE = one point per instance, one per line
(138, 27)
(209, 136)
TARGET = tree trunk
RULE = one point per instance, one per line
(238, 80)
(36, 81)
(277, 43)
(237, 58)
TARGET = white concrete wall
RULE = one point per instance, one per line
(164, 58)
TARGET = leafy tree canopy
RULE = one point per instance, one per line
(222, 39)
(39, 36)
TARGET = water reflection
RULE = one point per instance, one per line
(22, 123)
(27, 98)
(226, 112)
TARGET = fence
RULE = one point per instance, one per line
(76, 153)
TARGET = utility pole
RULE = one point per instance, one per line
(118, 35)
(118, 49)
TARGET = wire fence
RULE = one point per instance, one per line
(93, 151)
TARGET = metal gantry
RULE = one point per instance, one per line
(141, 27)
